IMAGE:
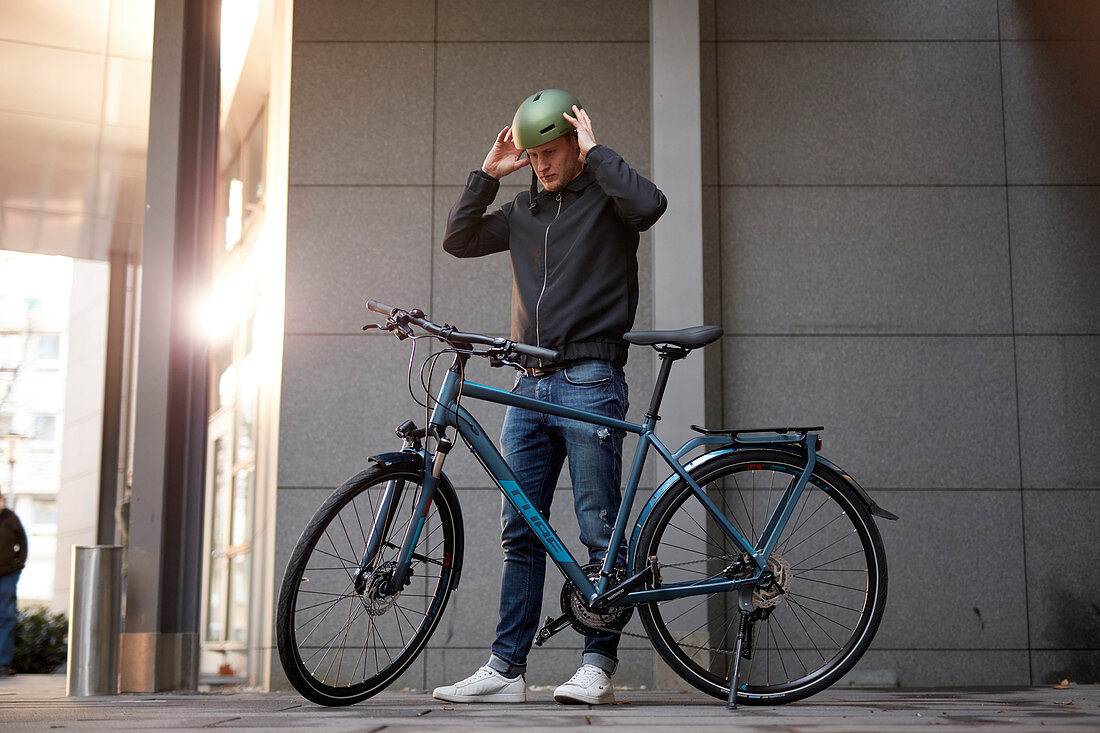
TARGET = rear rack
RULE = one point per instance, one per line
(740, 431)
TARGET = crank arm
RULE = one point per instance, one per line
(551, 627)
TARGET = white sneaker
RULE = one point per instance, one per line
(484, 685)
(589, 685)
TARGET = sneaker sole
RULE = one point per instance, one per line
(495, 697)
(573, 699)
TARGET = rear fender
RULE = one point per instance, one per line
(702, 462)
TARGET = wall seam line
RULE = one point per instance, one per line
(1015, 350)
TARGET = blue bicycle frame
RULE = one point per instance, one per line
(449, 414)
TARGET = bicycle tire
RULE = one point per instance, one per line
(836, 586)
(339, 647)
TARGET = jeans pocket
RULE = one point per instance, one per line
(589, 373)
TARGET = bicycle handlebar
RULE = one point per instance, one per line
(536, 352)
(449, 334)
(378, 307)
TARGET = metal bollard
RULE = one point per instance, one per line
(95, 620)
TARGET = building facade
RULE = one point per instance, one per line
(899, 225)
(892, 209)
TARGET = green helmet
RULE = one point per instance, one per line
(539, 119)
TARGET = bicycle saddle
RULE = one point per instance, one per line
(687, 338)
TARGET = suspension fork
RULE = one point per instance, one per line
(383, 520)
(446, 402)
(388, 502)
(432, 471)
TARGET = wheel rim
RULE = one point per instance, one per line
(807, 639)
(347, 644)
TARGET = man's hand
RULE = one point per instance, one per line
(586, 139)
(503, 158)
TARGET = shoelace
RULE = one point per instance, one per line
(479, 675)
(585, 676)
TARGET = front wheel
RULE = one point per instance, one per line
(811, 625)
(339, 645)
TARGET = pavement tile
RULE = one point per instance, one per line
(38, 702)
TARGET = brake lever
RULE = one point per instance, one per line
(403, 332)
(496, 360)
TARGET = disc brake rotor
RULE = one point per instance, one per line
(376, 600)
(771, 595)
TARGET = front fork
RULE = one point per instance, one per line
(389, 501)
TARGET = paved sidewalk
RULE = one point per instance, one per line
(38, 703)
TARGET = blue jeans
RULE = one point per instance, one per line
(536, 446)
(7, 617)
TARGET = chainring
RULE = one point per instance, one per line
(582, 617)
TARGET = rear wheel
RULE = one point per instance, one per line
(337, 645)
(811, 625)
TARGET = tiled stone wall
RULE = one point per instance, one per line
(901, 217)
(392, 105)
(903, 197)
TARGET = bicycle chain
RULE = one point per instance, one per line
(622, 632)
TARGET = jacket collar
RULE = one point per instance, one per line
(583, 180)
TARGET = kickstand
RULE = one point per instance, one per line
(744, 607)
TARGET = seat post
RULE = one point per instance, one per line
(668, 354)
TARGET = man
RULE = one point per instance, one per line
(13, 556)
(574, 250)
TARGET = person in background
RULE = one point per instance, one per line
(13, 556)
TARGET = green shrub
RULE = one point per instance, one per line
(40, 641)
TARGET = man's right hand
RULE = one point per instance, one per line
(503, 158)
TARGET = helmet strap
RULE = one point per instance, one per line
(534, 206)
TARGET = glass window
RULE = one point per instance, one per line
(219, 532)
(240, 576)
(44, 511)
(234, 204)
(215, 600)
(246, 410)
(45, 427)
(254, 162)
(49, 346)
(242, 491)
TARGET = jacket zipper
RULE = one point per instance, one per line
(545, 272)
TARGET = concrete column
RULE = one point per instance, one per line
(160, 641)
(677, 170)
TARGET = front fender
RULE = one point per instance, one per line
(705, 459)
(415, 461)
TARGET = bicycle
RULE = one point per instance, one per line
(756, 567)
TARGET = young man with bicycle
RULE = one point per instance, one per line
(574, 247)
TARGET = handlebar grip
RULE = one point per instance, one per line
(378, 307)
(536, 352)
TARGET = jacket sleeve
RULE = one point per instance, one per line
(22, 554)
(639, 203)
(470, 231)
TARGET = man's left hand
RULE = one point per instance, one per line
(586, 139)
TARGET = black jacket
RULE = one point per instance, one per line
(13, 543)
(574, 259)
